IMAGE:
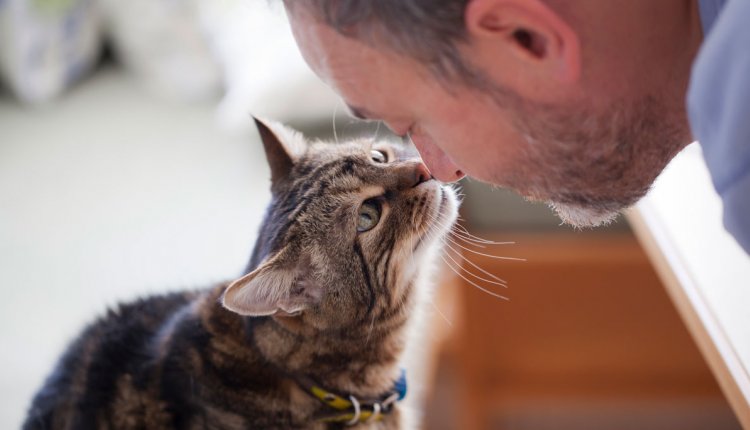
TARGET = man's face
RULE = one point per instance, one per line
(586, 162)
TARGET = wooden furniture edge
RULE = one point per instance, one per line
(694, 310)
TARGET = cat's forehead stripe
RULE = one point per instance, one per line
(312, 184)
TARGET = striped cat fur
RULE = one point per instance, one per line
(327, 296)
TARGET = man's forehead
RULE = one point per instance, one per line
(322, 47)
(346, 64)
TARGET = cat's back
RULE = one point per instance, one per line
(121, 344)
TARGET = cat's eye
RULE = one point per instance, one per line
(378, 156)
(369, 215)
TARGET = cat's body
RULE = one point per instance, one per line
(327, 303)
(178, 361)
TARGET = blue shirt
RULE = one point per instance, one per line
(718, 104)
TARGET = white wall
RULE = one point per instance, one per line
(107, 195)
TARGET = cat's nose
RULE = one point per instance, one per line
(409, 174)
(421, 174)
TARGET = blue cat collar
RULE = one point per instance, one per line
(400, 385)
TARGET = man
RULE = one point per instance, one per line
(580, 103)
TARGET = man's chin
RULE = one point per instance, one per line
(583, 217)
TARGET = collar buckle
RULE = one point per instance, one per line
(351, 410)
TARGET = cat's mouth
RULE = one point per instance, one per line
(446, 211)
(439, 216)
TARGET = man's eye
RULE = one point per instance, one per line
(378, 156)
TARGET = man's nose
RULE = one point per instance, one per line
(450, 175)
(440, 165)
(398, 128)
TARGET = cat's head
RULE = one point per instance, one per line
(348, 230)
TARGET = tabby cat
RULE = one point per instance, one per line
(309, 338)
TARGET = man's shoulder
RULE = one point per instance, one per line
(718, 107)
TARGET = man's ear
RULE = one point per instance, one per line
(279, 285)
(528, 31)
(283, 147)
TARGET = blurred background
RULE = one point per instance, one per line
(129, 166)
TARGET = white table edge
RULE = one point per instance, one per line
(699, 317)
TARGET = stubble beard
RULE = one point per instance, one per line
(590, 166)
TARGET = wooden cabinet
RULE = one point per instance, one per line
(588, 340)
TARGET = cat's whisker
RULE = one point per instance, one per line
(335, 135)
(467, 241)
(477, 239)
(457, 267)
(455, 231)
(459, 193)
(431, 234)
(447, 225)
(377, 130)
(305, 254)
(483, 241)
(460, 231)
(468, 272)
(491, 293)
(447, 246)
(497, 257)
(500, 281)
(442, 315)
(436, 223)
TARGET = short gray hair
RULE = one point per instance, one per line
(426, 30)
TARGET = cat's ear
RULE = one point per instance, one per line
(277, 286)
(283, 147)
